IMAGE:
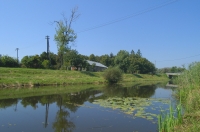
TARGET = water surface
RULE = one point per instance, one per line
(109, 108)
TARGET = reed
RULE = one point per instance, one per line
(189, 95)
(167, 122)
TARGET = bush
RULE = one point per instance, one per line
(113, 75)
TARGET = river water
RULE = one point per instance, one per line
(118, 108)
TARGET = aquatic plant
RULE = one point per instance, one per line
(134, 106)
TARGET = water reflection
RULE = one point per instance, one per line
(133, 91)
(69, 103)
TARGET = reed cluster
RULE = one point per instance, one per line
(189, 95)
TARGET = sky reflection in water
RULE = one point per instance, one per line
(85, 110)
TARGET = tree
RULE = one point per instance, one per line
(31, 61)
(106, 60)
(92, 57)
(7, 61)
(121, 60)
(132, 52)
(111, 55)
(74, 59)
(65, 34)
(139, 54)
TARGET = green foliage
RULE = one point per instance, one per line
(65, 58)
(133, 63)
(132, 52)
(92, 57)
(121, 60)
(46, 64)
(105, 59)
(31, 61)
(173, 69)
(139, 54)
(75, 59)
(7, 61)
(113, 75)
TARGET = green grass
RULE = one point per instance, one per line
(17, 77)
(189, 96)
(167, 122)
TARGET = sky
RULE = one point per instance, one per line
(167, 32)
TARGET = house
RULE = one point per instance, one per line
(95, 66)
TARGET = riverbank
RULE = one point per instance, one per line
(24, 77)
(189, 94)
(188, 111)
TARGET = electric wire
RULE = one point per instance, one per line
(130, 16)
(180, 58)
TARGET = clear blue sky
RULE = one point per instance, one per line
(166, 31)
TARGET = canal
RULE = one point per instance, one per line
(116, 108)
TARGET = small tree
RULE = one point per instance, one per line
(113, 75)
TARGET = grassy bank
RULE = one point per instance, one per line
(189, 96)
(18, 77)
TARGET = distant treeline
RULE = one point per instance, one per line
(128, 62)
(173, 69)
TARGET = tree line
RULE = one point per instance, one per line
(128, 62)
(173, 69)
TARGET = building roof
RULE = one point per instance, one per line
(96, 63)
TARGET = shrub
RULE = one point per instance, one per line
(113, 75)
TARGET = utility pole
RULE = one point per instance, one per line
(17, 55)
(48, 56)
(47, 37)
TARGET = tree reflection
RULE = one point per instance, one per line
(46, 100)
(30, 101)
(4, 103)
(62, 124)
(134, 91)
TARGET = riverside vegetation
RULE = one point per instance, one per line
(18, 77)
(186, 117)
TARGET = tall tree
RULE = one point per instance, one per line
(121, 60)
(65, 34)
(139, 54)
(132, 52)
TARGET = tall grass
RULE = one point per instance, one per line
(167, 122)
(189, 96)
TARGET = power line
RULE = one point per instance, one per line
(180, 58)
(130, 16)
(124, 18)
